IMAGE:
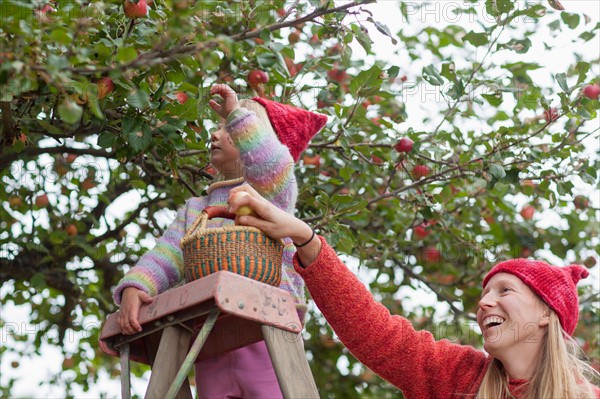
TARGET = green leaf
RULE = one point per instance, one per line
(497, 171)
(494, 99)
(346, 172)
(561, 78)
(367, 83)
(518, 46)
(126, 54)
(476, 39)
(572, 20)
(582, 69)
(266, 59)
(457, 90)
(70, 112)
(106, 139)
(393, 71)
(141, 139)
(61, 35)
(363, 38)
(138, 98)
(431, 75)
(384, 29)
(449, 71)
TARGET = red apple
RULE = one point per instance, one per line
(15, 201)
(135, 10)
(376, 160)
(181, 97)
(527, 212)
(581, 202)
(550, 114)
(71, 230)
(105, 87)
(589, 262)
(337, 75)
(432, 255)
(294, 37)
(293, 68)
(42, 12)
(71, 158)
(42, 201)
(420, 171)
(421, 231)
(404, 145)
(314, 160)
(88, 184)
(211, 170)
(592, 91)
(257, 77)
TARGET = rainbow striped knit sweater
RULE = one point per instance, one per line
(269, 168)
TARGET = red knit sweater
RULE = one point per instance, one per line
(389, 345)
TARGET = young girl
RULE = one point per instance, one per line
(527, 314)
(257, 146)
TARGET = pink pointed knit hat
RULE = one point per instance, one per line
(295, 127)
(555, 285)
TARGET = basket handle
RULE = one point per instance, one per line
(208, 213)
(219, 212)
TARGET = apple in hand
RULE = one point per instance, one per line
(135, 10)
(243, 210)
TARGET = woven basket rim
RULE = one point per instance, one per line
(225, 229)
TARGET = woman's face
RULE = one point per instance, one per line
(511, 317)
(224, 156)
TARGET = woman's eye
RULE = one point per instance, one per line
(505, 289)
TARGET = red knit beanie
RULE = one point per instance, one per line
(555, 285)
(295, 127)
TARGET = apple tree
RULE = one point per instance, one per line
(428, 172)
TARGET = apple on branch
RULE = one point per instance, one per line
(135, 9)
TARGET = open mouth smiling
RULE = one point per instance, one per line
(492, 321)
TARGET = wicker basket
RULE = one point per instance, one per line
(239, 249)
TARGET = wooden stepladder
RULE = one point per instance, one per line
(219, 313)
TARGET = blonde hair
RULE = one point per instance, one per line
(561, 372)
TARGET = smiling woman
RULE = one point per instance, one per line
(527, 312)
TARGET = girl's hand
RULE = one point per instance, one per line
(131, 302)
(230, 101)
(275, 222)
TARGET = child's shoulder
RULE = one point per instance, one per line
(196, 203)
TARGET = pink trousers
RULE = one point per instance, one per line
(242, 373)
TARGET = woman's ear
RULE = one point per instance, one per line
(545, 318)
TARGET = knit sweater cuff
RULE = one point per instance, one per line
(236, 116)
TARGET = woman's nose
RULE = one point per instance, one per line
(214, 136)
(486, 301)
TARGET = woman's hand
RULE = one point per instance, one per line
(276, 223)
(131, 302)
(230, 100)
